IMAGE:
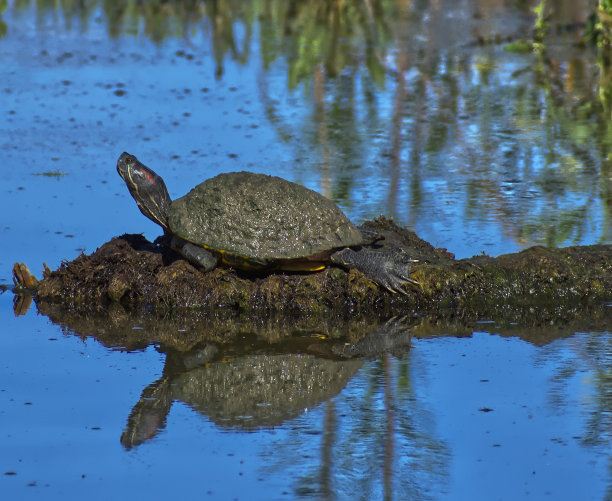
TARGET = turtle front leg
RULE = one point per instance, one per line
(197, 256)
(384, 268)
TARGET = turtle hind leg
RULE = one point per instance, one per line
(386, 269)
(198, 256)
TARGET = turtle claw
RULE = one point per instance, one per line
(400, 277)
(395, 280)
(388, 269)
(397, 271)
(396, 288)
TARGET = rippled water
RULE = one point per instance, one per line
(469, 145)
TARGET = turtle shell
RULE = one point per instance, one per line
(260, 220)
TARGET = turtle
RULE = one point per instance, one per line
(257, 222)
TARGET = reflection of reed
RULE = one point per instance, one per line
(327, 451)
(591, 354)
(525, 149)
(390, 431)
(398, 109)
(395, 450)
(321, 127)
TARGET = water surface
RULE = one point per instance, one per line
(412, 110)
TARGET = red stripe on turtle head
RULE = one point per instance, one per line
(150, 177)
(145, 172)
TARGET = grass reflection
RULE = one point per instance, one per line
(591, 361)
(417, 98)
(378, 442)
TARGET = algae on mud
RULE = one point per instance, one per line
(133, 271)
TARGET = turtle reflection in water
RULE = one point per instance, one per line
(249, 385)
(258, 222)
(246, 392)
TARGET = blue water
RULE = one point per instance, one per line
(479, 417)
(482, 417)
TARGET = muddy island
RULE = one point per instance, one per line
(131, 271)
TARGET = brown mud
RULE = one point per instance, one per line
(130, 270)
(131, 278)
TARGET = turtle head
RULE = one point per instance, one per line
(147, 188)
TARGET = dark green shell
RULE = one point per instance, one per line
(261, 218)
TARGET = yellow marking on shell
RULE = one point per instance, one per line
(302, 266)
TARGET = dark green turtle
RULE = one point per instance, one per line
(259, 222)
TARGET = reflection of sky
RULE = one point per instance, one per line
(527, 442)
(63, 415)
